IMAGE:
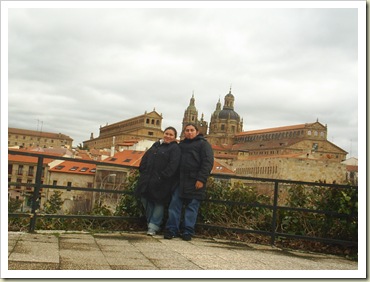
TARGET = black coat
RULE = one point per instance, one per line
(157, 172)
(196, 164)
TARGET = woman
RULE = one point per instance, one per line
(195, 167)
(157, 178)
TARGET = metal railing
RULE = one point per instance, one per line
(34, 214)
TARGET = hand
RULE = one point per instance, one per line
(199, 184)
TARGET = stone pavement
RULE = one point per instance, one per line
(60, 250)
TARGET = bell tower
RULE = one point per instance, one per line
(191, 116)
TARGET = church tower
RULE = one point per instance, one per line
(191, 116)
(224, 123)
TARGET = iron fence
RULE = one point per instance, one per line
(34, 214)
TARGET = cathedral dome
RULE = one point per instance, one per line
(228, 114)
(228, 110)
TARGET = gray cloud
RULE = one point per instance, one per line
(77, 69)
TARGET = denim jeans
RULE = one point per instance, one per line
(154, 214)
(174, 214)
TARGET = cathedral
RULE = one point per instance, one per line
(225, 123)
(300, 152)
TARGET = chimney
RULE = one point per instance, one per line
(112, 148)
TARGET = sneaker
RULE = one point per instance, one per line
(168, 235)
(186, 237)
(150, 232)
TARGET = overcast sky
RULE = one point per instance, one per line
(73, 70)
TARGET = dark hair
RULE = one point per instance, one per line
(171, 128)
(191, 124)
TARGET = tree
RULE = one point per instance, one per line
(54, 204)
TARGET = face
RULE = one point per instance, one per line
(190, 132)
(169, 136)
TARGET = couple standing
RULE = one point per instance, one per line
(176, 173)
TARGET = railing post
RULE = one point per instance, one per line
(36, 193)
(274, 212)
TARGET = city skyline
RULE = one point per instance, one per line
(74, 70)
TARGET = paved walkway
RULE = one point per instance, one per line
(137, 251)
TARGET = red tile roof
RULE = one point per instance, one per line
(274, 129)
(30, 159)
(126, 157)
(75, 168)
(27, 159)
(219, 168)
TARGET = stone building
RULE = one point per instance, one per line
(144, 127)
(297, 152)
(22, 177)
(31, 138)
(72, 174)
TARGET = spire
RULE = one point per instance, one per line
(218, 105)
(192, 100)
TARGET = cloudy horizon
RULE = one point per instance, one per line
(74, 70)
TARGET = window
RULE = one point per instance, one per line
(84, 169)
(315, 146)
(59, 167)
(31, 171)
(150, 133)
(18, 183)
(127, 160)
(73, 168)
(69, 184)
(55, 183)
(20, 170)
(10, 168)
(93, 170)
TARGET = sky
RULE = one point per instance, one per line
(72, 70)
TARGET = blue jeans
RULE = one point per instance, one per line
(154, 214)
(174, 214)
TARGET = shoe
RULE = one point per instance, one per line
(169, 235)
(186, 237)
(150, 232)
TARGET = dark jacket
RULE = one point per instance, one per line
(196, 164)
(157, 172)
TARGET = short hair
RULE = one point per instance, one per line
(171, 128)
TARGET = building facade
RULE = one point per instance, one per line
(144, 127)
(30, 138)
